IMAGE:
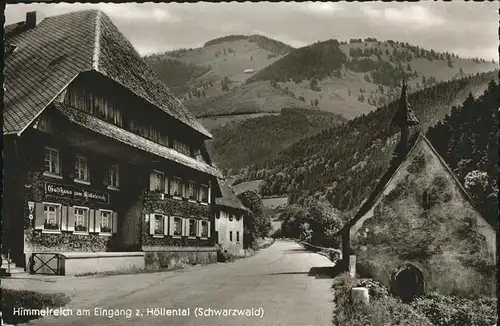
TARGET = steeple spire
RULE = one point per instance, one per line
(405, 118)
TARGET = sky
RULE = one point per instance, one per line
(469, 29)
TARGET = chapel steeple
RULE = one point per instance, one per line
(404, 119)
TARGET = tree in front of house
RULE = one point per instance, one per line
(257, 223)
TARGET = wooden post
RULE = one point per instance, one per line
(352, 266)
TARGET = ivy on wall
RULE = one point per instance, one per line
(169, 207)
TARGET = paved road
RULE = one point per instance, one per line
(277, 281)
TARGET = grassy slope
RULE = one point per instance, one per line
(334, 95)
(222, 61)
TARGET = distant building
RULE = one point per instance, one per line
(249, 71)
(420, 196)
(101, 162)
(230, 213)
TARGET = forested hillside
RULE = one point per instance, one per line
(343, 164)
(251, 141)
(468, 141)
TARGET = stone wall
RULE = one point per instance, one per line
(165, 257)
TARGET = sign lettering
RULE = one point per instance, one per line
(68, 191)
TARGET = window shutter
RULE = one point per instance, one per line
(151, 224)
(39, 216)
(64, 218)
(166, 186)
(151, 181)
(209, 229)
(91, 218)
(185, 228)
(198, 228)
(209, 193)
(115, 222)
(71, 219)
(97, 225)
(165, 225)
(172, 225)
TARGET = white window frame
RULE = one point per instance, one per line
(177, 218)
(195, 228)
(162, 233)
(110, 212)
(200, 194)
(179, 188)
(58, 217)
(86, 171)
(162, 181)
(201, 231)
(88, 218)
(111, 169)
(53, 174)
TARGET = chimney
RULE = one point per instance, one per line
(33, 18)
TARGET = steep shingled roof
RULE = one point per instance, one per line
(51, 55)
(229, 198)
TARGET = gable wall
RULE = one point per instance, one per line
(444, 238)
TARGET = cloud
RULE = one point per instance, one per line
(413, 16)
(323, 8)
(470, 29)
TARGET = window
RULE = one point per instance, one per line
(231, 236)
(182, 147)
(52, 162)
(159, 221)
(231, 216)
(177, 226)
(81, 219)
(51, 214)
(117, 117)
(192, 228)
(113, 177)
(192, 191)
(157, 181)
(237, 236)
(81, 169)
(106, 220)
(204, 229)
(175, 187)
(204, 194)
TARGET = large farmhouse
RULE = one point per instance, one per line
(421, 224)
(101, 162)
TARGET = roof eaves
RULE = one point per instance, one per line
(43, 109)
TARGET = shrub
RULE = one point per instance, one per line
(29, 300)
(452, 310)
(382, 310)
